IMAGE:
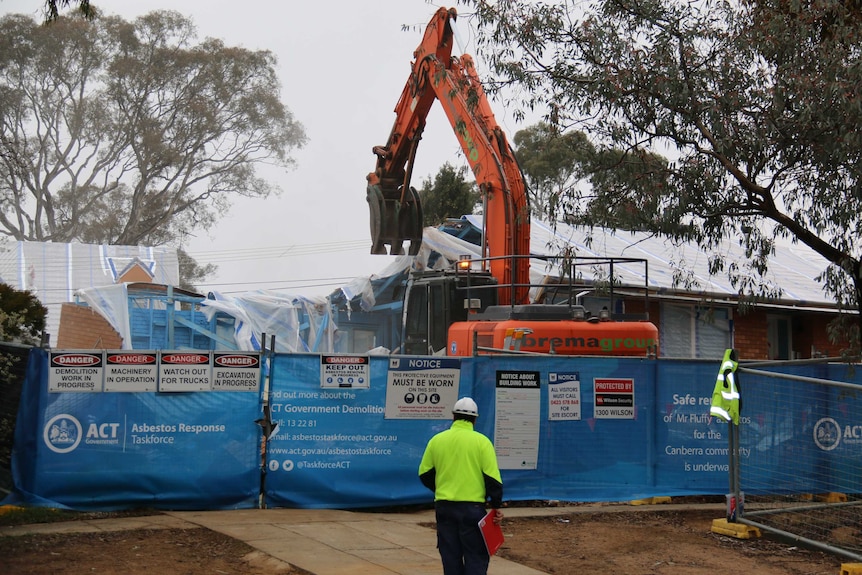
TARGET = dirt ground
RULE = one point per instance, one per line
(635, 543)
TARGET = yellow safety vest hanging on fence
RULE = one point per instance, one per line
(725, 396)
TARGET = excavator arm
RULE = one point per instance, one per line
(396, 212)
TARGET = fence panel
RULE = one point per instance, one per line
(569, 428)
(800, 463)
(691, 447)
(104, 451)
(583, 429)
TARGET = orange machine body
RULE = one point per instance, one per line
(564, 337)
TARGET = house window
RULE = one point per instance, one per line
(693, 331)
(778, 337)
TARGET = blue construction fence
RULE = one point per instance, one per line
(565, 428)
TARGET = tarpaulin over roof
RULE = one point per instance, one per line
(306, 324)
(53, 271)
(792, 267)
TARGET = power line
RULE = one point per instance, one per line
(278, 252)
(61, 265)
(227, 256)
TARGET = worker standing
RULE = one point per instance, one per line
(460, 466)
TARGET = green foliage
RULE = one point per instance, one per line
(191, 272)
(22, 320)
(31, 515)
(53, 7)
(22, 316)
(754, 105)
(449, 195)
(7, 424)
(551, 162)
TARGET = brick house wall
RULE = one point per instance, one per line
(750, 334)
(810, 334)
(83, 328)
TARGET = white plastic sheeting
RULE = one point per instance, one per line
(112, 303)
(792, 267)
(306, 324)
(299, 324)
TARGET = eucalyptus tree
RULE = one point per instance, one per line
(552, 162)
(132, 132)
(756, 106)
(448, 195)
(52, 8)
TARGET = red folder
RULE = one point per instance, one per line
(491, 532)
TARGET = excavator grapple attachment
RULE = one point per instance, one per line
(394, 221)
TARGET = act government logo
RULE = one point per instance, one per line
(827, 434)
(62, 433)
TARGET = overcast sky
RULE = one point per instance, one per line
(342, 65)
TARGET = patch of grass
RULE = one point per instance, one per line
(13, 515)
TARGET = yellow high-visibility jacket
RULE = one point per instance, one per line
(460, 464)
(725, 395)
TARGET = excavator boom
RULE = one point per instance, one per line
(396, 212)
(485, 307)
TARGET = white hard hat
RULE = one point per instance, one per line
(466, 406)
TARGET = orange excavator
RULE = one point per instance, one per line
(467, 310)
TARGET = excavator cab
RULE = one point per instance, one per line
(434, 300)
(396, 217)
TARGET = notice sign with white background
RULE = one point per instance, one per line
(614, 398)
(516, 425)
(345, 371)
(185, 371)
(131, 370)
(422, 387)
(76, 371)
(564, 396)
(236, 371)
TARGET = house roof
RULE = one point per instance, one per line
(792, 268)
(54, 271)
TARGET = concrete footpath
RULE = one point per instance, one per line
(332, 542)
(326, 541)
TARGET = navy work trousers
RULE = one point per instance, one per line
(459, 539)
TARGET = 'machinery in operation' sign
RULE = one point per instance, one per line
(131, 370)
(75, 371)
